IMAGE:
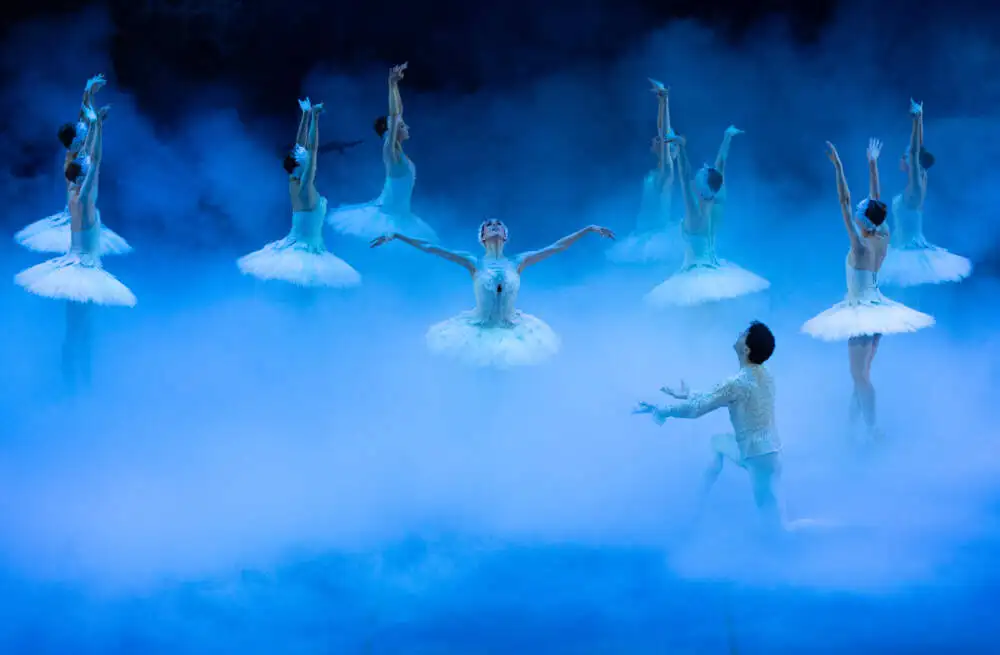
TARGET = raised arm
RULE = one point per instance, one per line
(463, 259)
(663, 127)
(96, 152)
(723, 154)
(524, 260)
(94, 84)
(696, 405)
(916, 141)
(301, 135)
(391, 150)
(874, 150)
(687, 179)
(312, 144)
(844, 195)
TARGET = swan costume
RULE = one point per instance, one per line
(865, 311)
(78, 276)
(655, 236)
(390, 212)
(301, 257)
(52, 233)
(911, 260)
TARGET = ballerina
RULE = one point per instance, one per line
(301, 257)
(703, 277)
(754, 444)
(494, 333)
(52, 234)
(79, 276)
(654, 235)
(865, 314)
(912, 260)
(390, 212)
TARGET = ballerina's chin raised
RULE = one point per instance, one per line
(912, 260)
(78, 276)
(52, 234)
(703, 277)
(390, 212)
(865, 314)
(495, 333)
(301, 258)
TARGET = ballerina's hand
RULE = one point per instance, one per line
(916, 108)
(831, 152)
(874, 149)
(103, 111)
(396, 72)
(318, 108)
(680, 393)
(602, 231)
(658, 88)
(305, 105)
(382, 240)
(732, 130)
(96, 83)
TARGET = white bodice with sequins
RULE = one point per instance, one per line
(862, 286)
(497, 283)
(699, 250)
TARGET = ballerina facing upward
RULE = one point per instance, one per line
(495, 333)
(654, 237)
(301, 257)
(912, 260)
(865, 314)
(390, 212)
(703, 276)
(52, 234)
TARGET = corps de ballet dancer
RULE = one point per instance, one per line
(655, 234)
(301, 258)
(912, 260)
(865, 314)
(52, 234)
(703, 277)
(390, 212)
(754, 444)
(495, 333)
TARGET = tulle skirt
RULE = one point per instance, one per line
(290, 260)
(874, 314)
(78, 278)
(909, 267)
(526, 341)
(704, 283)
(646, 247)
(369, 220)
(52, 234)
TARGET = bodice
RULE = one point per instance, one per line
(699, 249)
(907, 225)
(85, 240)
(497, 283)
(398, 189)
(307, 226)
(861, 285)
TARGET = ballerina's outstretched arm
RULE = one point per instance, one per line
(693, 217)
(392, 152)
(463, 259)
(312, 144)
(692, 405)
(723, 155)
(524, 260)
(844, 195)
(96, 152)
(874, 150)
(915, 183)
(301, 136)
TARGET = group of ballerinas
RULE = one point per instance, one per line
(495, 333)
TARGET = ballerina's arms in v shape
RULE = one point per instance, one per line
(493, 236)
(300, 164)
(864, 224)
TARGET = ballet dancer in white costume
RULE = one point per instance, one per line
(655, 234)
(912, 260)
(865, 314)
(754, 444)
(52, 234)
(495, 333)
(301, 258)
(390, 212)
(703, 277)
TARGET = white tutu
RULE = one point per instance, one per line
(909, 267)
(704, 283)
(645, 247)
(301, 257)
(865, 312)
(52, 234)
(528, 340)
(76, 277)
(368, 221)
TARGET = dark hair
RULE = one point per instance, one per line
(73, 171)
(760, 343)
(876, 212)
(925, 158)
(381, 126)
(713, 178)
(66, 134)
(290, 163)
